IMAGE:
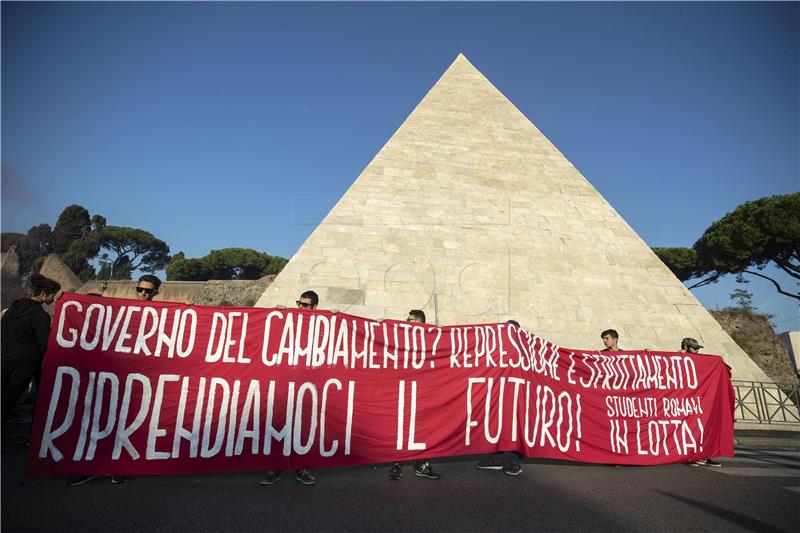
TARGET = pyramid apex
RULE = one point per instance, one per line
(460, 63)
(461, 58)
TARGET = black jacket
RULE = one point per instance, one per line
(25, 328)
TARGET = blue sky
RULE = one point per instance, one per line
(202, 122)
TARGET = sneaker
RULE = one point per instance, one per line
(513, 470)
(270, 477)
(709, 462)
(700, 462)
(396, 472)
(487, 464)
(75, 481)
(427, 471)
(305, 477)
(118, 480)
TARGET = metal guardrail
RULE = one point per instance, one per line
(766, 402)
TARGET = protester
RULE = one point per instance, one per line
(691, 346)
(25, 330)
(610, 339)
(509, 462)
(307, 300)
(146, 290)
(422, 468)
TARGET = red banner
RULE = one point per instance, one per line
(135, 388)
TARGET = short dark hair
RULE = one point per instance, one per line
(689, 342)
(611, 332)
(311, 295)
(513, 323)
(418, 313)
(43, 285)
(151, 279)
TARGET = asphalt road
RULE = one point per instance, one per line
(758, 491)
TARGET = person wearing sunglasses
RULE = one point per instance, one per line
(422, 467)
(147, 288)
(307, 300)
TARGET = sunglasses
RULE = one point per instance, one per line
(146, 291)
(304, 305)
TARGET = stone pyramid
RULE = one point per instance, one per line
(469, 213)
(55, 269)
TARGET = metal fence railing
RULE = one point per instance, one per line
(766, 402)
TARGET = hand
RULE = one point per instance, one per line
(334, 311)
(281, 307)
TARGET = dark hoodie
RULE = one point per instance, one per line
(25, 328)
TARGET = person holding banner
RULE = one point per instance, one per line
(690, 345)
(146, 290)
(110, 410)
(25, 330)
(509, 462)
(307, 300)
(422, 468)
(610, 339)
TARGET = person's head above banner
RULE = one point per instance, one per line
(690, 345)
(610, 339)
(147, 288)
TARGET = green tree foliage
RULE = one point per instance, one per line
(130, 249)
(227, 263)
(38, 240)
(7, 240)
(754, 235)
(682, 261)
(73, 223)
(76, 238)
(182, 269)
(105, 270)
(242, 263)
(743, 299)
(31, 248)
(78, 255)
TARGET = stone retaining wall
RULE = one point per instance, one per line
(242, 293)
